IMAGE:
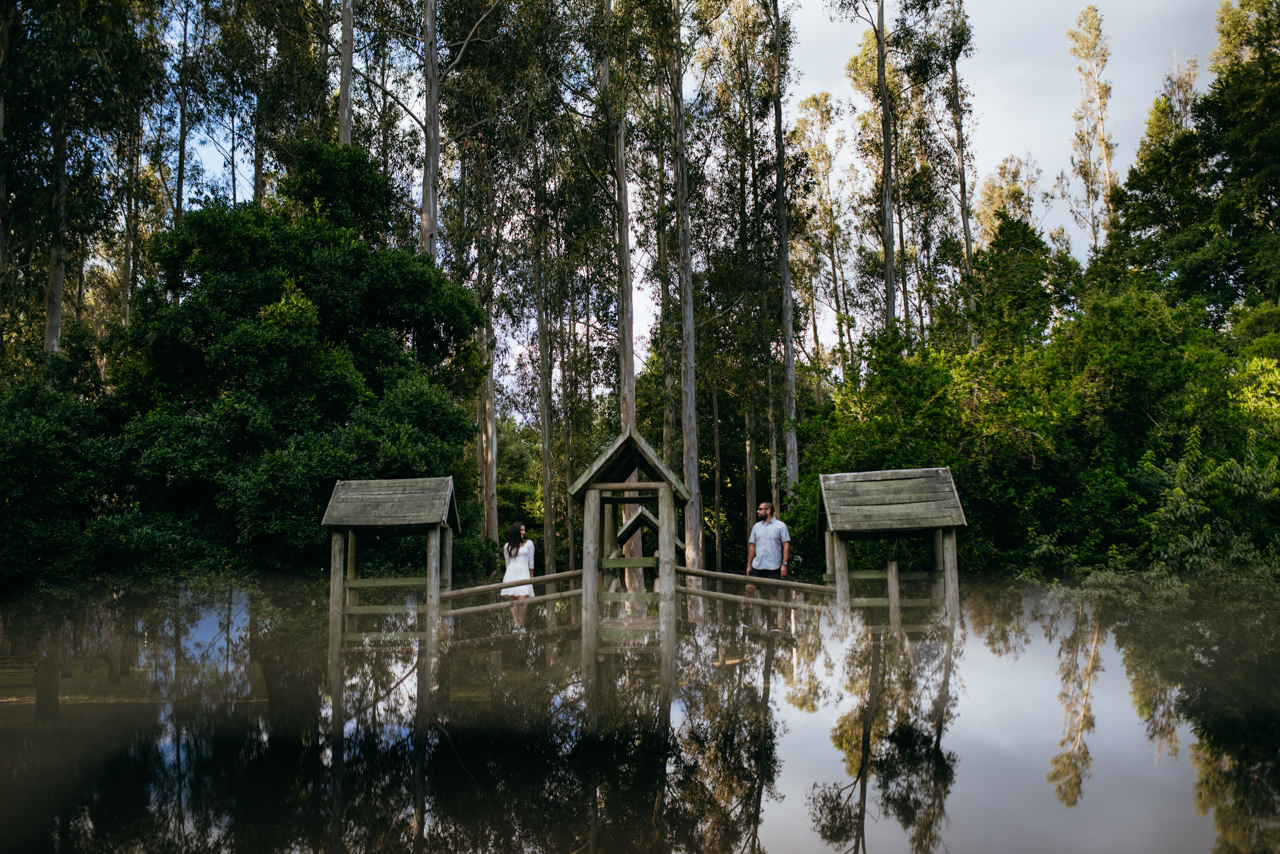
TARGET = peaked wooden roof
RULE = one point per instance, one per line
(890, 502)
(627, 453)
(408, 505)
(643, 519)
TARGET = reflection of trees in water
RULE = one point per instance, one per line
(1080, 633)
(894, 735)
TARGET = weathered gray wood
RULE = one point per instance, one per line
(446, 561)
(627, 486)
(405, 504)
(418, 581)
(828, 542)
(532, 600)
(432, 618)
(628, 597)
(503, 585)
(952, 575)
(609, 527)
(923, 510)
(623, 562)
(628, 452)
(852, 523)
(337, 717)
(895, 599)
(590, 586)
(758, 581)
(337, 567)
(385, 609)
(666, 589)
(890, 474)
(353, 595)
(743, 600)
(869, 602)
(840, 549)
(939, 566)
(647, 624)
(643, 518)
(864, 499)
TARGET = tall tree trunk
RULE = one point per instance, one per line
(567, 428)
(784, 265)
(182, 121)
(429, 214)
(344, 82)
(58, 247)
(544, 385)
(775, 488)
(715, 427)
(489, 426)
(688, 378)
(886, 174)
(750, 426)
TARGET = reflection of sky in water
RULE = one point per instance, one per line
(215, 647)
(1004, 731)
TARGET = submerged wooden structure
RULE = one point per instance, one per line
(894, 503)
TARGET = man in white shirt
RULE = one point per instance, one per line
(768, 549)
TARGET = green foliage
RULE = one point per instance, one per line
(277, 353)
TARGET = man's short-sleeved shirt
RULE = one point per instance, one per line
(769, 537)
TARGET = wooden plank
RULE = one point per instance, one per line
(399, 508)
(591, 541)
(503, 585)
(922, 603)
(384, 636)
(385, 609)
(870, 602)
(863, 499)
(624, 634)
(532, 600)
(666, 589)
(628, 597)
(868, 575)
(885, 490)
(337, 566)
(403, 486)
(851, 524)
(889, 474)
(627, 486)
(624, 562)
(638, 623)
(420, 581)
(758, 581)
(913, 510)
(743, 600)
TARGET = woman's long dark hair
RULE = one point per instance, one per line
(513, 540)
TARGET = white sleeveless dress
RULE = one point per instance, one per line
(519, 567)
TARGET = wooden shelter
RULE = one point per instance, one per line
(898, 503)
(604, 483)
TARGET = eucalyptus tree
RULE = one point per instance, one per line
(1091, 144)
(873, 15)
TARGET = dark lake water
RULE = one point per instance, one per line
(1044, 718)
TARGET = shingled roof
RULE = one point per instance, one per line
(888, 503)
(628, 453)
(404, 505)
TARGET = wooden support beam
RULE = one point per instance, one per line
(666, 589)
(647, 485)
(628, 597)
(759, 582)
(503, 585)
(840, 551)
(337, 717)
(532, 600)
(591, 542)
(743, 600)
(952, 575)
(624, 562)
(353, 595)
(895, 598)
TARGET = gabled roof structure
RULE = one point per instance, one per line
(404, 506)
(628, 453)
(890, 503)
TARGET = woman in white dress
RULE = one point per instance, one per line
(518, 553)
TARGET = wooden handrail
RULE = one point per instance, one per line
(494, 606)
(502, 585)
(768, 582)
(743, 600)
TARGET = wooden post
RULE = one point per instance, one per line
(337, 544)
(353, 595)
(840, 551)
(939, 587)
(952, 575)
(446, 558)
(609, 527)
(666, 600)
(590, 586)
(428, 624)
(895, 599)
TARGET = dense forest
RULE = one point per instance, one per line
(248, 248)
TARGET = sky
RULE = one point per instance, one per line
(1023, 81)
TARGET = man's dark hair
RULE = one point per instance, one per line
(769, 504)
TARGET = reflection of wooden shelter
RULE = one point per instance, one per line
(880, 504)
(603, 484)
(423, 505)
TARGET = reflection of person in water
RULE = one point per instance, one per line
(518, 553)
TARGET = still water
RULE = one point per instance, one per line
(1043, 718)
